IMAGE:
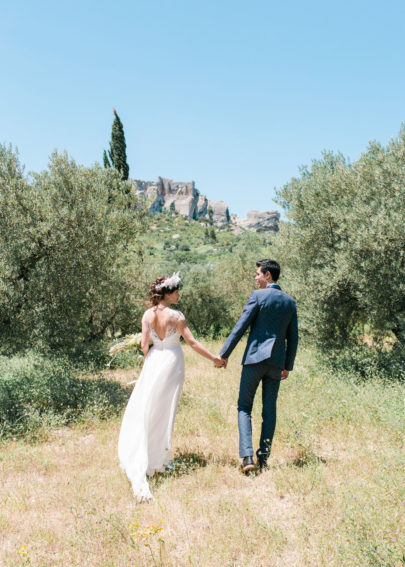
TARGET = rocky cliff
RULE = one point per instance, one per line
(165, 193)
(259, 221)
(185, 199)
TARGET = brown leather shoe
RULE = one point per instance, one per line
(247, 464)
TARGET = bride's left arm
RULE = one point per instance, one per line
(195, 345)
(145, 337)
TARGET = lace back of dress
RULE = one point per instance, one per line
(172, 334)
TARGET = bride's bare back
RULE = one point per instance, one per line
(163, 320)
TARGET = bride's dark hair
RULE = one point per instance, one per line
(156, 295)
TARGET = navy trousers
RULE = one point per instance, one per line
(252, 375)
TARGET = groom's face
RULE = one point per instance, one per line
(262, 280)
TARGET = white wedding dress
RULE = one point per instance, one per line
(147, 425)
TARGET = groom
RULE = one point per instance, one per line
(271, 315)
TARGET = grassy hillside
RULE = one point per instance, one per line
(178, 239)
(334, 494)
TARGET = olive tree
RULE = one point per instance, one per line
(69, 258)
(344, 245)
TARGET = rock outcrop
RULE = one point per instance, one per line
(185, 199)
(260, 221)
(218, 211)
(165, 194)
(202, 206)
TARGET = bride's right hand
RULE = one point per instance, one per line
(220, 362)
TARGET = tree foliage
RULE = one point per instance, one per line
(205, 308)
(68, 254)
(344, 247)
(106, 161)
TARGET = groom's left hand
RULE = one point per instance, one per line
(220, 362)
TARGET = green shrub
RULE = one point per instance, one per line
(35, 390)
(367, 362)
(126, 359)
(205, 308)
(235, 274)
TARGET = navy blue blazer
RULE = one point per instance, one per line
(272, 317)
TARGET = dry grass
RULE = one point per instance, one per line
(333, 495)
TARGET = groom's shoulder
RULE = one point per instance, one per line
(290, 300)
(260, 293)
(271, 294)
(287, 297)
(257, 295)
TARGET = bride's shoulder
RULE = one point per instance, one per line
(147, 315)
(178, 315)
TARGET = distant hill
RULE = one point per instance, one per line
(183, 198)
(176, 238)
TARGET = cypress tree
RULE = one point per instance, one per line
(106, 161)
(118, 154)
(210, 215)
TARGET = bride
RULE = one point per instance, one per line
(147, 425)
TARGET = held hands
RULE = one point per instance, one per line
(223, 363)
(220, 362)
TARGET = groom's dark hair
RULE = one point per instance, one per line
(269, 266)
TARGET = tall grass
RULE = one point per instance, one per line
(334, 494)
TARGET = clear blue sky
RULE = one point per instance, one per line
(234, 95)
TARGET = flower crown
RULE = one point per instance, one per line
(172, 281)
